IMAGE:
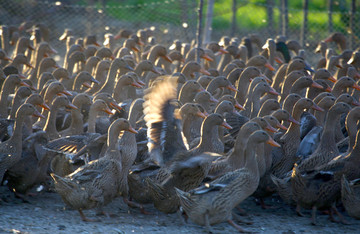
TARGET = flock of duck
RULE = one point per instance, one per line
(147, 122)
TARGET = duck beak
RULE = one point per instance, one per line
(332, 79)
(67, 93)
(117, 37)
(53, 51)
(87, 85)
(205, 113)
(72, 106)
(292, 120)
(307, 67)
(115, 106)
(338, 65)
(267, 80)
(94, 80)
(136, 85)
(223, 51)
(57, 66)
(6, 58)
(205, 72)
(22, 83)
(329, 39)
(355, 103)
(97, 44)
(278, 125)
(270, 129)
(226, 125)
(213, 100)
(141, 83)
(167, 58)
(268, 66)
(272, 91)
(355, 86)
(278, 60)
(44, 106)
(207, 58)
(155, 71)
(200, 114)
(136, 49)
(29, 65)
(272, 142)
(232, 88)
(238, 106)
(22, 76)
(37, 114)
(132, 130)
(108, 111)
(317, 108)
(328, 89)
(129, 68)
(140, 43)
(316, 85)
(112, 57)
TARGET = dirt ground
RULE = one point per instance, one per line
(46, 213)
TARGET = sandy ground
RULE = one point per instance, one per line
(46, 213)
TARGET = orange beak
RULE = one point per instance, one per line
(328, 89)
(115, 106)
(137, 85)
(223, 51)
(226, 125)
(135, 49)
(6, 58)
(86, 84)
(272, 142)
(270, 129)
(200, 114)
(332, 79)
(317, 108)
(108, 111)
(278, 60)
(46, 107)
(132, 130)
(141, 83)
(31, 47)
(29, 65)
(72, 106)
(37, 114)
(268, 66)
(67, 93)
(232, 88)
(292, 120)
(355, 86)
(205, 72)
(272, 91)
(167, 58)
(112, 57)
(316, 85)
(207, 58)
(278, 125)
(22, 83)
(97, 44)
(238, 106)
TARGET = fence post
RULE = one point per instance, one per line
(352, 25)
(233, 18)
(285, 17)
(199, 29)
(208, 22)
(330, 11)
(305, 23)
(270, 16)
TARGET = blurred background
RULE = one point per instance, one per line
(303, 20)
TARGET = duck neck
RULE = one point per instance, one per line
(121, 91)
(17, 134)
(250, 158)
(112, 138)
(279, 77)
(351, 129)
(5, 92)
(77, 122)
(93, 112)
(50, 125)
(108, 87)
(328, 135)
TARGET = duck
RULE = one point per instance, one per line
(350, 196)
(96, 183)
(213, 202)
(11, 149)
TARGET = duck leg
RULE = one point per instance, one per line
(313, 215)
(298, 211)
(240, 220)
(207, 223)
(341, 217)
(264, 206)
(240, 229)
(85, 219)
(136, 205)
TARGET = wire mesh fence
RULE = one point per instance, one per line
(176, 19)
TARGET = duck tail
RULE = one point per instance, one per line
(185, 199)
(157, 192)
(62, 185)
(346, 190)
